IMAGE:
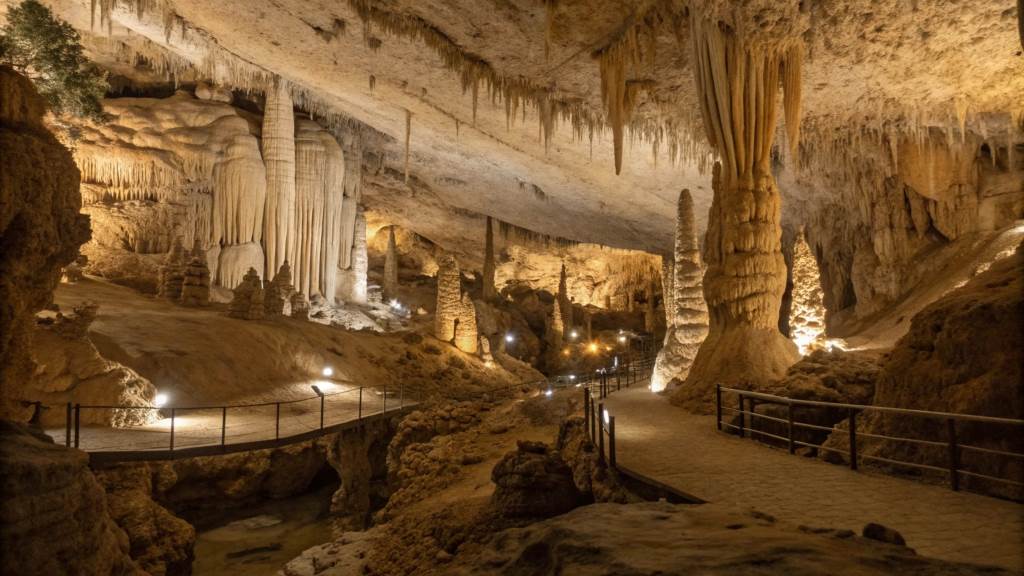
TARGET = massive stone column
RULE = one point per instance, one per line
(489, 291)
(563, 300)
(391, 267)
(686, 313)
(557, 327)
(279, 157)
(449, 296)
(360, 261)
(737, 83)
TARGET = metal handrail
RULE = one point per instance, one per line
(954, 448)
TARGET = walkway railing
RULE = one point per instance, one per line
(185, 431)
(598, 422)
(748, 401)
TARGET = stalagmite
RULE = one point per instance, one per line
(466, 335)
(807, 310)
(279, 157)
(557, 327)
(278, 291)
(408, 135)
(172, 273)
(353, 280)
(300, 306)
(563, 300)
(489, 291)
(334, 216)
(737, 85)
(449, 295)
(649, 309)
(195, 290)
(391, 267)
(686, 314)
(247, 301)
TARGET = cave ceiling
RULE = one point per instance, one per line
(868, 64)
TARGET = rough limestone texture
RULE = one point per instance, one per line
(391, 267)
(807, 309)
(69, 368)
(455, 314)
(489, 291)
(40, 227)
(963, 354)
(278, 291)
(743, 286)
(359, 456)
(54, 518)
(172, 272)
(533, 482)
(247, 302)
(352, 284)
(686, 313)
(195, 289)
(300, 306)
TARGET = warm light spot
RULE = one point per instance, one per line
(549, 393)
(574, 334)
(592, 348)
(327, 372)
(510, 338)
(160, 400)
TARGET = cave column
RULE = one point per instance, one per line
(279, 156)
(489, 290)
(391, 267)
(737, 86)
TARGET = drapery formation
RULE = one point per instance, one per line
(279, 158)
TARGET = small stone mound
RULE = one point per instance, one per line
(533, 482)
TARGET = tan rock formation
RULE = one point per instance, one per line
(737, 85)
(300, 306)
(564, 304)
(40, 227)
(455, 314)
(391, 267)
(490, 292)
(248, 300)
(172, 273)
(195, 290)
(278, 291)
(556, 327)
(278, 145)
(686, 312)
(54, 519)
(807, 309)
(352, 282)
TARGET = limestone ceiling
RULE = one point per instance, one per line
(866, 60)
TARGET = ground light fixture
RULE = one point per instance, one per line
(327, 371)
(317, 390)
(510, 338)
(592, 348)
(605, 415)
(160, 400)
(549, 392)
(622, 339)
(574, 334)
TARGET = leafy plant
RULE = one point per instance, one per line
(48, 50)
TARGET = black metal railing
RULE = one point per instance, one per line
(747, 403)
(599, 423)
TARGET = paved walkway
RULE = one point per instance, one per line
(688, 453)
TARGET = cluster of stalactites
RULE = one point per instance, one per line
(737, 85)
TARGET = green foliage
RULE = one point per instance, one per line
(48, 51)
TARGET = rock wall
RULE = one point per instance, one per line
(40, 227)
(54, 519)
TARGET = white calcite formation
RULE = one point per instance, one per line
(686, 313)
(352, 285)
(807, 311)
(278, 144)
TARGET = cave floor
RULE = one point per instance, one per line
(687, 452)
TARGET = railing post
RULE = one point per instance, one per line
(322, 398)
(853, 440)
(172, 429)
(586, 409)
(384, 406)
(277, 423)
(360, 403)
(600, 432)
(401, 395)
(742, 417)
(618, 380)
(78, 422)
(789, 424)
(954, 455)
(67, 427)
(718, 406)
(223, 424)
(593, 421)
(611, 441)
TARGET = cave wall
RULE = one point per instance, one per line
(878, 219)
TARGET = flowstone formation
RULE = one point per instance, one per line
(737, 83)
(391, 267)
(247, 302)
(807, 311)
(455, 315)
(686, 313)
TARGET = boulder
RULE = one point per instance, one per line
(533, 482)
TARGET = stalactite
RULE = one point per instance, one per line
(489, 291)
(279, 156)
(408, 135)
(334, 216)
(391, 267)
(310, 200)
(791, 83)
(239, 193)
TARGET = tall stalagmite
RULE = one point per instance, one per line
(737, 84)
(565, 305)
(279, 157)
(807, 310)
(334, 216)
(686, 313)
(489, 291)
(556, 327)
(391, 267)
(353, 279)
(455, 315)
